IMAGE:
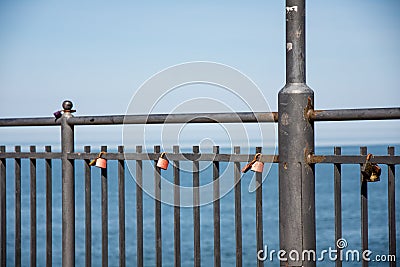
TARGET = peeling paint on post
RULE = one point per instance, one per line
(296, 140)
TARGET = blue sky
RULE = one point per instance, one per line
(98, 53)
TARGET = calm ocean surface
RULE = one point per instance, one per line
(377, 194)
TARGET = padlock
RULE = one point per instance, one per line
(371, 171)
(258, 166)
(57, 114)
(162, 161)
(252, 163)
(99, 161)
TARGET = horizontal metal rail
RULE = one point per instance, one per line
(240, 117)
(312, 159)
(30, 155)
(143, 156)
(344, 159)
(354, 114)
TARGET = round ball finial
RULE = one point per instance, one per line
(67, 105)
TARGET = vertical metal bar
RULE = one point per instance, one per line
(295, 41)
(392, 208)
(88, 210)
(259, 213)
(49, 212)
(238, 210)
(104, 214)
(338, 204)
(296, 140)
(33, 207)
(364, 210)
(157, 210)
(68, 188)
(196, 209)
(3, 207)
(216, 207)
(17, 208)
(139, 209)
(177, 212)
(121, 195)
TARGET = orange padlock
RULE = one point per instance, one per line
(99, 161)
(258, 166)
(162, 161)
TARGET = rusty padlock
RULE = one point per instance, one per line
(251, 164)
(162, 161)
(371, 171)
(258, 166)
(99, 162)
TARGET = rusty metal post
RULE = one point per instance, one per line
(296, 140)
(68, 190)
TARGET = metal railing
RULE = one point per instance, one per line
(68, 156)
(297, 222)
(121, 156)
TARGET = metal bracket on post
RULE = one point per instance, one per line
(68, 188)
(296, 140)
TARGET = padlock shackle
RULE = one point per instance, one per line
(101, 153)
(163, 154)
(369, 156)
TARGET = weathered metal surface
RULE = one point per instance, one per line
(296, 138)
(3, 210)
(238, 210)
(295, 41)
(68, 192)
(121, 208)
(392, 208)
(196, 209)
(88, 210)
(310, 158)
(104, 214)
(30, 155)
(354, 114)
(33, 241)
(337, 173)
(157, 211)
(174, 156)
(364, 210)
(139, 209)
(259, 213)
(46, 121)
(240, 117)
(49, 208)
(352, 159)
(177, 212)
(216, 210)
(17, 169)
